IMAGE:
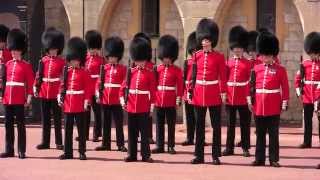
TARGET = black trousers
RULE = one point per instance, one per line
(150, 127)
(190, 121)
(97, 124)
(69, 119)
(138, 122)
(308, 114)
(114, 112)
(215, 117)
(12, 113)
(270, 125)
(48, 107)
(169, 114)
(245, 119)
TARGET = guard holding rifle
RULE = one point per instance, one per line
(46, 86)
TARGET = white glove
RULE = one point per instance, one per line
(59, 100)
(284, 105)
(86, 105)
(178, 101)
(122, 102)
(315, 104)
(151, 108)
(249, 101)
(223, 98)
(35, 91)
(97, 94)
(29, 98)
(298, 92)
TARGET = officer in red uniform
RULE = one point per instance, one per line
(17, 93)
(207, 89)
(75, 96)
(169, 92)
(107, 93)
(93, 62)
(5, 54)
(152, 66)
(137, 96)
(238, 90)
(306, 82)
(46, 86)
(271, 97)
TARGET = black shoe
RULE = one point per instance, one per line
(187, 143)
(103, 148)
(95, 139)
(157, 150)
(59, 146)
(148, 160)
(246, 153)
(318, 167)
(151, 141)
(122, 149)
(65, 156)
(77, 138)
(239, 144)
(82, 156)
(130, 159)
(21, 155)
(6, 154)
(43, 146)
(227, 152)
(216, 161)
(305, 146)
(258, 163)
(275, 164)
(206, 144)
(197, 161)
(171, 150)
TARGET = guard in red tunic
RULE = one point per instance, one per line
(271, 97)
(137, 96)
(208, 88)
(93, 62)
(107, 92)
(5, 54)
(75, 96)
(238, 90)
(306, 82)
(169, 92)
(17, 93)
(46, 86)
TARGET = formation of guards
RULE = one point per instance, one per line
(91, 77)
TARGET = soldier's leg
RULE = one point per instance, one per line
(171, 115)
(132, 136)
(117, 115)
(232, 112)
(19, 112)
(215, 116)
(68, 133)
(308, 113)
(46, 124)
(57, 123)
(200, 114)
(190, 122)
(273, 130)
(160, 121)
(143, 128)
(79, 118)
(261, 130)
(9, 127)
(97, 118)
(245, 118)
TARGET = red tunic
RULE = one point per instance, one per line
(92, 65)
(52, 71)
(272, 89)
(142, 90)
(169, 86)
(238, 81)
(78, 90)
(19, 81)
(5, 56)
(114, 76)
(187, 82)
(210, 80)
(311, 81)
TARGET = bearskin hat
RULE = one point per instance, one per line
(144, 36)
(17, 40)
(93, 39)
(4, 30)
(140, 49)
(252, 40)
(238, 37)
(267, 44)
(168, 47)
(53, 39)
(192, 44)
(76, 50)
(207, 29)
(312, 43)
(114, 47)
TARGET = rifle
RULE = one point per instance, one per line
(185, 70)
(39, 77)
(128, 81)
(194, 76)
(155, 64)
(64, 83)
(252, 86)
(3, 74)
(102, 80)
(302, 74)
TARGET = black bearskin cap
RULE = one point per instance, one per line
(267, 44)
(76, 50)
(168, 47)
(312, 43)
(238, 37)
(207, 29)
(140, 50)
(17, 40)
(53, 39)
(93, 39)
(114, 47)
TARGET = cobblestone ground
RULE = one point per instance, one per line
(296, 164)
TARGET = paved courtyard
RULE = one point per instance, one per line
(296, 164)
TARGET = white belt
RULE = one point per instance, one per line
(237, 83)
(136, 91)
(311, 82)
(267, 91)
(72, 92)
(204, 82)
(94, 76)
(111, 85)
(13, 83)
(50, 79)
(164, 88)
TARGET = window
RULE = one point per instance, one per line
(266, 14)
(150, 17)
